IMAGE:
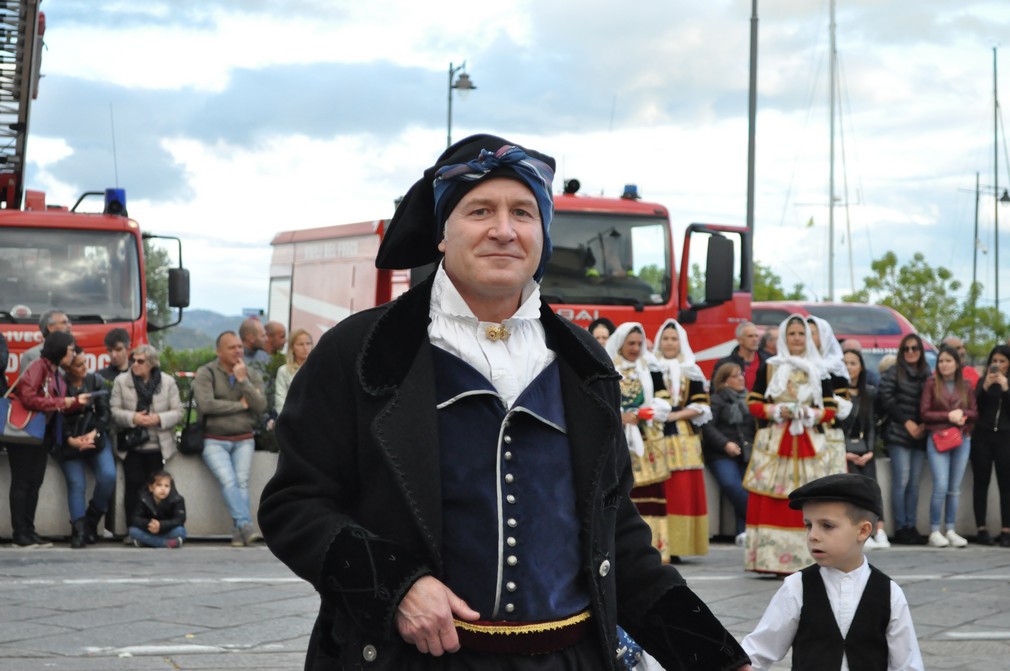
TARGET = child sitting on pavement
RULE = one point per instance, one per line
(840, 613)
(157, 521)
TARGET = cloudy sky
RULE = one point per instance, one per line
(236, 119)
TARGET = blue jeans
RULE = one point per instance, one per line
(231, 462)
(103, 466)
(947, 469)
(729, 474)
(155, 540)
(906, 468)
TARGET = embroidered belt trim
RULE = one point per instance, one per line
(523, 638)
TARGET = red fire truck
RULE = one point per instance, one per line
(613, 257)
(90, 266)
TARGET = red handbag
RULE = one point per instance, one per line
(947, 439)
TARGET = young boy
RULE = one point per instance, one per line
(160, 514)
(841, 613)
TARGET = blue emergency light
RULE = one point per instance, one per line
(115, 202)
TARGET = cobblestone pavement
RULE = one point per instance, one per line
(208, 606)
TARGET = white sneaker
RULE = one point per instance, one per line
(881, 539)
(741, 539)
(937, 540)
(870, 544)
(955, 540)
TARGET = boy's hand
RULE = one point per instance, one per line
(154, 526)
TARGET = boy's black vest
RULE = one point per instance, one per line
(819, 645)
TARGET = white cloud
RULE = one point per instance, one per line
(917, 117)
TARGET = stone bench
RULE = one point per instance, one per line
(206, 513)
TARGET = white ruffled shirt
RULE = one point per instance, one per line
(511, 364)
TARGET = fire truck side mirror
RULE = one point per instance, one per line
(719, 270)
(178, 288)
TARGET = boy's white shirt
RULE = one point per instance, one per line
(774, 635)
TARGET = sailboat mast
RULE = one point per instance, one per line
(831, 162)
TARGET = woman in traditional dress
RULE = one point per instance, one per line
(793, 398)
(643, 415)
(830, 350)
(684, 388)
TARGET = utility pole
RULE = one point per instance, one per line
(747, 278)
(831, 169)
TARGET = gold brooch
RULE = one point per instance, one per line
(496, 332)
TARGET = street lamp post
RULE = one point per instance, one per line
(464, 84)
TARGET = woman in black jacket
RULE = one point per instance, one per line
(86, 444)
(727, 439)
(860, 429)
(990, 444)
(905, 434)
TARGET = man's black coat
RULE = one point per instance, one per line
(355, 505)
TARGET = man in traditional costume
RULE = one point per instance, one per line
(453, 477)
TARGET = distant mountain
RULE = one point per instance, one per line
(199, 328)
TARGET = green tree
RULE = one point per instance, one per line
(979, 327)
(924, 294)
(768, 286)
(652, 274)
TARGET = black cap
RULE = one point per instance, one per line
(859, 490)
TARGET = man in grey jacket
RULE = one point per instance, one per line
(230, 399)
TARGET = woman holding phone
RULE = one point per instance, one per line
(40, 388)
(991, 445)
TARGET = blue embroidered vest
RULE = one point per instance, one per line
(510, 530)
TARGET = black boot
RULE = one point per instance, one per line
(78, 533)
(91, 518)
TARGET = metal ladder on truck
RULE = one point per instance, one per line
(21, 30)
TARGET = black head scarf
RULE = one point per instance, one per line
(412, 237)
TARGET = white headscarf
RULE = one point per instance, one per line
(831, 349)
(683, 365)
(784, 362)
(637, 368)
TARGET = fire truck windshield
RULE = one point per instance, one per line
(92, 275)
(608, 259)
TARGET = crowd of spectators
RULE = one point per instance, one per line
(894, 411)
(128, 412)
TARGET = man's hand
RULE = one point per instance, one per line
(425, 616)
(240, 371)
(732, 449)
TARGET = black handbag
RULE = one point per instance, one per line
(191, 438)
(133, 437)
